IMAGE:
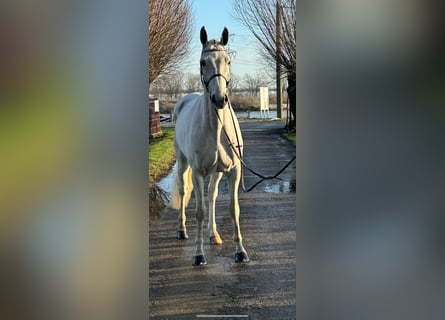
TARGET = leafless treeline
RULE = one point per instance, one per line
(177, 83)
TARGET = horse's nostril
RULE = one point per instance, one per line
(226, 98)
(213, 99)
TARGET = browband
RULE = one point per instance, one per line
(210, 50)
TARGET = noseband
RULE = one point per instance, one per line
(206, 83)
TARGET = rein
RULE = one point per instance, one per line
(238, 152)
(240, 155)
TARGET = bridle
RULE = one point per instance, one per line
(206, 83)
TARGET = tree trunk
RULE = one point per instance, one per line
(291, 93)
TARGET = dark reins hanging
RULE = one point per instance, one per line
(239, 155)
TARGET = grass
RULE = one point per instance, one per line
(291, 137)
(161, 155)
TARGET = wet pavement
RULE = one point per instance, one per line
(265, 287)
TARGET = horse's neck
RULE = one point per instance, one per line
(213, 118)
(217, 121)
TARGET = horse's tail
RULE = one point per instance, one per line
(175, 201)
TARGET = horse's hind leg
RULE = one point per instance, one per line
(198, 183)
(234, 180)
(213, 193)
(183, 187)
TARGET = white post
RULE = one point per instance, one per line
(156, 105)
(264, 101)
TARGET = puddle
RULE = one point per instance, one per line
(279, 186)
(167, 182)
(271, 186)
(158, 200)
(160, 195)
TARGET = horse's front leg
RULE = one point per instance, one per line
(234, 177)
(198, 182)
(213, 193)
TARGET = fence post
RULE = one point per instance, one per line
(154, 121)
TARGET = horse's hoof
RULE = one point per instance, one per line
(215, 240)
(199, 260)
(241, 257)
(181, 235)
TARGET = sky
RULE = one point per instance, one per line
(215, 15)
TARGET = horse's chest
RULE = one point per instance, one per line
(217, 160)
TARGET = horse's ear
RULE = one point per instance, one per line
(225, 36)
(203, 36)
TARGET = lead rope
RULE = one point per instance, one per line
(240, 155)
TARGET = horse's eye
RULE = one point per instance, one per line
(229, 62)
(203, 64)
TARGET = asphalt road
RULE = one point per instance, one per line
(265, 287)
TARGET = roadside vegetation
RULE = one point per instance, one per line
(161, 158)
(161, 155)
(240, 102)
(291, 137)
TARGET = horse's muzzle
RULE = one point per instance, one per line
(220, 102)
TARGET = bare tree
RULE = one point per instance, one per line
(170, 34)
(171, 84)
(192, 82)
(174, 84)
(156, 88)
(259, 16)
(234, 83)
(252, 84)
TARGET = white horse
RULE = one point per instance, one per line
(204, 124)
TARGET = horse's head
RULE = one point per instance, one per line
(215, 68)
